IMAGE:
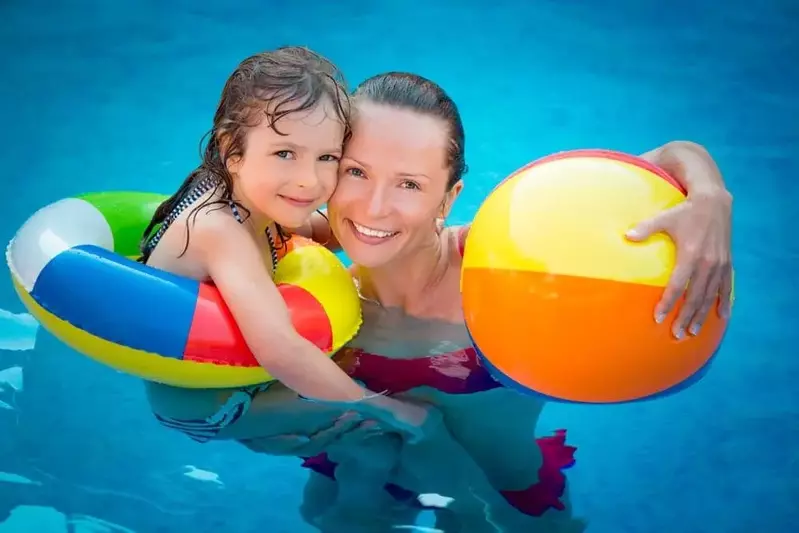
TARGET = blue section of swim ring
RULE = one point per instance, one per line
(512, 384)
(119, 300)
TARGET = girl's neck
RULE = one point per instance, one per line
(259, 224)
(252, 218)
(409, 282)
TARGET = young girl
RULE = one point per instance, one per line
(271, 160)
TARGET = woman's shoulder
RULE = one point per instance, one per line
(456, 236)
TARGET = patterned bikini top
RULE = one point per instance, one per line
(195, 193)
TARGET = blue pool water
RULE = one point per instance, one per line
(101, 95)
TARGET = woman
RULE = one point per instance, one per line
(399, 177)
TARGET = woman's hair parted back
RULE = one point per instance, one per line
(416, 93)
(269, 85)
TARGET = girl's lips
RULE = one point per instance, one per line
(299, 202)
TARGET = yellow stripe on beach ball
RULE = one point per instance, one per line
(592, 202)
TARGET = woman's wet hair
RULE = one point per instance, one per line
(410, 91)
(266, 86)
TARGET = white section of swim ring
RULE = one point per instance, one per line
(51, 230)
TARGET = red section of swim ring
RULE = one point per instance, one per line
(215, 337)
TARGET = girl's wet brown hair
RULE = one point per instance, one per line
(266, 86)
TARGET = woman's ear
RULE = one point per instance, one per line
(450, 197)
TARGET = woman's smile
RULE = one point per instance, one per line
(368, 235)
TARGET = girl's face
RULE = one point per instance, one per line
(392, 185)
(285, 178)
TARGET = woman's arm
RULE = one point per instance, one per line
(318, 230)
(701, 228)
(688, 162)
(693, 167)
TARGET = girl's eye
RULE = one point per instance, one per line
(411, 185)
(328, 158)
(357, 172)
(285, 154)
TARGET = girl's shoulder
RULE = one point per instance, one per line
(200, 231)
(212, 226)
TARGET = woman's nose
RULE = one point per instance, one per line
(377, 203)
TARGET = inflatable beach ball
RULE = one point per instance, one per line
(558, 302)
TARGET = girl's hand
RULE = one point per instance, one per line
(315, 443)
(411, 418)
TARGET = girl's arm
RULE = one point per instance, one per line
(236, 266)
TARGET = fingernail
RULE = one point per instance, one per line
(695, 329)
(632, 234)
(350, 416)
(679, 333)
(660, 317)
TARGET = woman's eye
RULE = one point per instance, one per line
(285, 154)
(328, 158)
(357, 172)
(412, 185)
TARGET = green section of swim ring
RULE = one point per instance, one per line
(128, 213)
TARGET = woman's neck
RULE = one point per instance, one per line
(409, 282)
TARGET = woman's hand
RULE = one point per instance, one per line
(318, 229)
(701, 230)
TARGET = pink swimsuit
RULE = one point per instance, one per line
(458, 372)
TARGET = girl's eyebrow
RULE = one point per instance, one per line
(298, 148)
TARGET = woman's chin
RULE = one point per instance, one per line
(367, 260)
(368, 256)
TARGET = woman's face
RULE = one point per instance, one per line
(392, 184)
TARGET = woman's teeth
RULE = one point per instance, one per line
(371, 232)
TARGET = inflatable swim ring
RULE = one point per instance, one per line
(73, 266)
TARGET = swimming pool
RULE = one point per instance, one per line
(98, 97)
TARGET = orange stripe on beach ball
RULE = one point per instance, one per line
(586, 340)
